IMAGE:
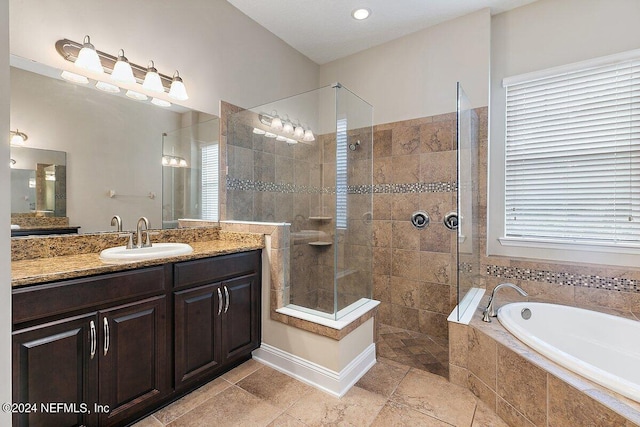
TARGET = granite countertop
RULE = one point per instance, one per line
(42, 270)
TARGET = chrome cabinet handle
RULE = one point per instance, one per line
(219, 302)
(106, 335)
(92, 333)
(226, 296)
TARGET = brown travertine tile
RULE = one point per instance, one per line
(433, 324)
(522, 384)
(589, 297)
(382, 234)
(404, 292)
(241, 371)
(404, 205)
(481, 391)
(569, 407)
(458, 376)
(381, 291)
(358, 408)
(483, 352)
(239, 408)
(405, 264)
(382, 143)
(285, 420)
(382, 206)
(458, 345)
(438, 166)
(383, 378)
(435, 267)
(405, 236)
(272, 386)
(486, 417)
(405, 317)
(397, 414)
(434, 396)
(434, 297)
(511, 416)
(191, 400)
(437, 136)
(382, 261)
(405, 140)
(405, 169)
(150, 421)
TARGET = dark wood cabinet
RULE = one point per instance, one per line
(218, 323)
(133, 358)
(115, 347)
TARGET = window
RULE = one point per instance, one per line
(209, 182)
(572, 158)
(341, 173)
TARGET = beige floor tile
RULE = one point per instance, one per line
(278, 389)
(485, 417)
(356, 408)
(192, 400)
(241, 371)
(150, 421)
(285, 420)
(434, 396)
(396, 414)
(383, 378)
(232, 407)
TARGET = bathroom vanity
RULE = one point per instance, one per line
(110, 348)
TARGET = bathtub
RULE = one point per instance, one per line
(598, 346)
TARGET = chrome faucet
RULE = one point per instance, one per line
(142, 221)
(117, 221)
(490, 311)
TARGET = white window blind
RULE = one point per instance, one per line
(341, 173)
(573, 156)
(209, 182)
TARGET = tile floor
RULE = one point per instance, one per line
(414, 349)
(390, 394)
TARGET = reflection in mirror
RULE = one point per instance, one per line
(190, 173)
(113, 144)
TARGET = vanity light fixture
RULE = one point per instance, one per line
(152, 80)
(177, 90)
(288, 132)
(291, 141)
(270, 135)
(174, 161)
(107, 87)
(17, 137)
(276, 123)
(360, 14)
(259, 131)
(88, 58)
(308, 136)
(287, 127)
(122, 71)
(281, 138)
(298, 133)
(74, 78)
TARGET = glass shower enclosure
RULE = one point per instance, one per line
(307, 161)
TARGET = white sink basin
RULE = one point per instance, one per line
(120, 254)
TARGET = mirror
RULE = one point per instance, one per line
(113, 144)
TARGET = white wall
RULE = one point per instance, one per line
(220, 52)
(5, 194)
(416, 75)
(541, 35)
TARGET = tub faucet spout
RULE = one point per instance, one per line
(490, 311)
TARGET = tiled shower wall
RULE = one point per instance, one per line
(414, 270)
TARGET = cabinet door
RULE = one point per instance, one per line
(133, 358)
(241, 316)
(56, 363)
(197, 314)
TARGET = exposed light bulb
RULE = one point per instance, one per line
(137, 95)
(165, 161)
(183, 163)
(122, 71)
(298, 132)
(107, 87)
(360, 14)
(152, 81)
(88, 58)
(177, 90)
(173, 162)
(258, 131)
(287, 128)
(74, 78)
(18, 138)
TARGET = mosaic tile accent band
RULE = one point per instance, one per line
(569, 279)
(417, 187)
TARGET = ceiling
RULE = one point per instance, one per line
(324, 30)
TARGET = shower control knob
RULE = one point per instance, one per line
(451, 221)
(420, 219)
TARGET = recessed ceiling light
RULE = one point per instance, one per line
(360, 14)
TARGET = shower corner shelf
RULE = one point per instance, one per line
(320, 218)
(320, 244)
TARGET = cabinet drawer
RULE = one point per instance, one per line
(209, 270)
(36, 302)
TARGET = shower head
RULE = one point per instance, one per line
(353, 147)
